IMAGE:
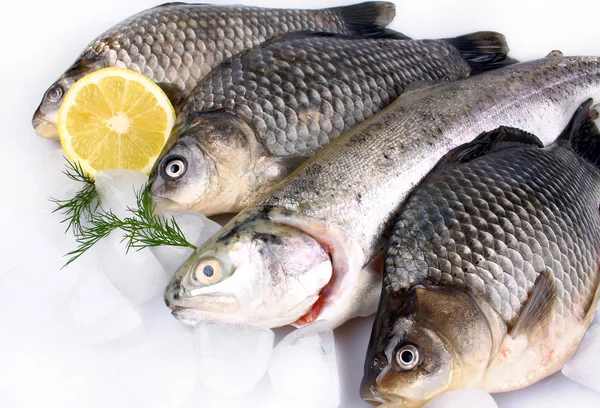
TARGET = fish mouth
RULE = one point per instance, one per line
(209, 307)
(380, 399)
(45, 129)
(166, 204)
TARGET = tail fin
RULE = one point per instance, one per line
(582, 134)
(366, 19)
(483, 50)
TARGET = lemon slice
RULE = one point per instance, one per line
(115, 118)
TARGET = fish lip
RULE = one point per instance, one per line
(166, 204)
(204, 306)
(44, 128)
(377, 398)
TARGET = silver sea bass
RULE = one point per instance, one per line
(256, 117)
(176, 44)
(309, 249)
(491, 276)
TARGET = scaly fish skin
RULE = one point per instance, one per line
(276, 105)
(491, 276)
(348, 195)
(176, 44)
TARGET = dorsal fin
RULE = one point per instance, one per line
(495, 140)
(582, 134)
(539, 306)
(302, 35)
(178, 3)
(483, 50)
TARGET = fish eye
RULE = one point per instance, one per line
(174, 168)
(54, 93)
(408, 357)
(207, 271)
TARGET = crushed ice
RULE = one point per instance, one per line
(105, 332)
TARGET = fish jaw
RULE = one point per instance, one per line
(452, 333)
(269, 275)
(45, 128)
(44, 122)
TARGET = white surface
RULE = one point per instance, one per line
(584, 367)
(41, 364)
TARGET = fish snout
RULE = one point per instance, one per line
(173, 293)
(44, 128)
(370, 394)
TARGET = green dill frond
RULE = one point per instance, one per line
(83, 204)
(146, 229)
(141, 230)
(102, 223)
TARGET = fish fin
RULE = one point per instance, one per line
(290, 163)
(582, 134)
(302, 35)
(538, 307)
(496, 140)
(483, 50)
(366, 19)
(174, 93)
(178, 3)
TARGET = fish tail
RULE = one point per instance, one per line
(483, 50)
(582, 134)
(366, 19)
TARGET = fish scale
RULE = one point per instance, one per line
(157, 41)
(177, 44)
(544, 200)
(298, 104)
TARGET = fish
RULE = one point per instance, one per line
(492, 269)
(258, 116)
(177, 44)
(265, 266)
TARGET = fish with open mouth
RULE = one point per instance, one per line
(313, 248)
(256, 117)
(176, 44)
(491, 275)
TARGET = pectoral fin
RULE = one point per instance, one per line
(174, 93)
(538, 308)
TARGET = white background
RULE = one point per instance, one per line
(39, 41)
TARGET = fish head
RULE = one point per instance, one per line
(425, 342)
(45, 118)
(206, 158)
(252, 273)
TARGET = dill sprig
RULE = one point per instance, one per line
(83, 204)
(142, 229)
(101, 224)
(147, 229)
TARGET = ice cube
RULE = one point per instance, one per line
(305, 360)
(196, 228)
(98, 310)
(585, 365)
(117, 189)
(469, 397)
(159, 373)
(279, 402)
(137, 274)
(51, 181)
(231, 358)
